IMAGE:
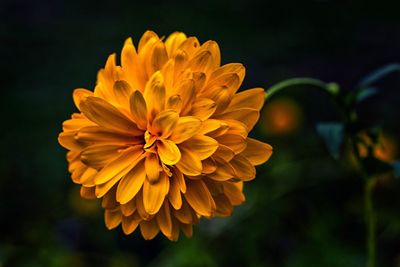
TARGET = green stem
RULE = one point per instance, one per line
(370, 219)
(369, 211)
(331, 88)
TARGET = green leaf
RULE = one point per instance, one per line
(379, 74)
(333, 134)
(365, 93)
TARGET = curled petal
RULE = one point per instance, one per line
(80, 94)
(169, 152)
(174, 41)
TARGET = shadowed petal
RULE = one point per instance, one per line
(154, 194)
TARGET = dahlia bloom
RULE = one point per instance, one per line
(163, 140)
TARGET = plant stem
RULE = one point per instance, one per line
(370, 219)
(331, 88)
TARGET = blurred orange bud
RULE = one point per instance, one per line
(282, 116)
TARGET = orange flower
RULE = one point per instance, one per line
(163, 137)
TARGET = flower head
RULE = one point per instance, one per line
(163, 140)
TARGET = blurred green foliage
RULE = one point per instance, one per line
(304, 209)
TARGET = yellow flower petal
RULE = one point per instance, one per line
(187, 93)
(243, 168)
(199, 197)
(159, 57)
(152, 167)
(190, 45)
(102, 189)
(104, 114)
(190, 163)
(77, 122)
(122, 91)
(248, 116)
(230, 81)
(164, 220)
(257, 152)
(187, 229)
(164, 123)
(138, 109)
(210, 125)
(178, 176)
(87, 192)
(175, 103)
(154, 95)
(236, 143)
(99, 135)
(229, 68)
(149, 229)
(203, 108)
(224, 172)
(146, 37)
(174, 194)
(106, 78)
(129, 208)
(180, 62)
(224, 152)
(186, 127)
(129, 224)
(169, 152)
(234, 192)
(109, 201)
(154, 194)
(79, 94)
(236, 127)
(68, 141)
(97, 156)
(224, 207)
(213, 47)
(209, 165)
(251, 98)
(203, 146)
(131, 183)
(202, 61)
(120, 166)
(185, 214)
(140, 206)
(174, 41)
(130, 65)
(112, 218)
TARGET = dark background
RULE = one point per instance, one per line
(304, 209)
